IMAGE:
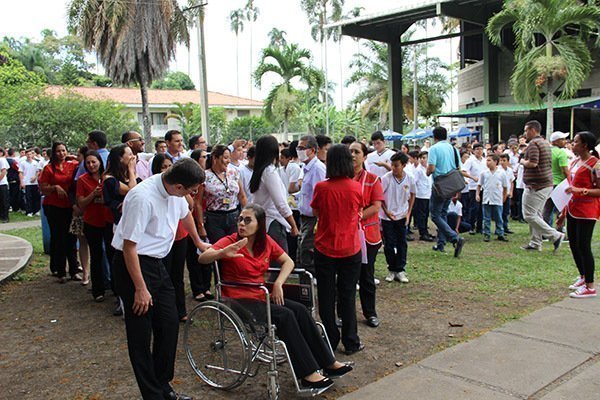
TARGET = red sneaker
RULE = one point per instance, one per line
(577, 284)
(583, 292)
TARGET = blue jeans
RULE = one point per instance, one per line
(395, 245)
(492, 212)
(505, 213)
(439, 210)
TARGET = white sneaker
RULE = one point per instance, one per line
(390, 277)
(37, 214)
(30, 215)
(377, 281)
(401, 276)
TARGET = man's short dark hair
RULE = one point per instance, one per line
(399, 156)
(534, 124)
(348, 139)
(126, 136)
(423, 153)
(170, 133)
(186, 172)
(251, 153)
(323, 140)
(494, 157)
(377, 136)
(414, 153)
(311, 142)
(158, 143)
(440, 133)
(477, 145)
(286, 153)
(99, 138)
(504, 156)
(10, 152)
(193, 141)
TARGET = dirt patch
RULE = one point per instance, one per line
(58, 344)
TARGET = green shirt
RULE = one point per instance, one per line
(559, 160)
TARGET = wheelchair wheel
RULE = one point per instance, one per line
(217, 345)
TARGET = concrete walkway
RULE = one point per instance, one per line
(15, 254)
(551, 354)
(20, 225)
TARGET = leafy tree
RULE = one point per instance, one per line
(134, 40)
(217, 123)
(14, 73)
(551, 47)
(174, 80)
(249, 128)
(288, 63)
(277, 38)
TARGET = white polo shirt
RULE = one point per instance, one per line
(29, 170)
(150, 218)
(423, 183)
(493, 184)
(474, 167)
(4, 166)
(374, 157)
(397, 195)
(455, 207)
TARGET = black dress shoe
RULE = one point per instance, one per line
(173, 395)
(338, 322)
(322, 384)
(337, 372)
(360, 347)
(373, 322)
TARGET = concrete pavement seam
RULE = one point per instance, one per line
(575, 309)
(499, 330)
(474, 382)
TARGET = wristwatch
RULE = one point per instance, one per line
(585, 192)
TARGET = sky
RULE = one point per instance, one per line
(21, 19)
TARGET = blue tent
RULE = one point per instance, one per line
(418, 134)
(463, 132)
(391, 135)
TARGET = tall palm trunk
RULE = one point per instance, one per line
(144, 84)
(237, 64)
(549, 97)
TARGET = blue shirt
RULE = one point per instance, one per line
(442, 155)
(103, 155)
(314, 172)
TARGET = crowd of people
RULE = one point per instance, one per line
(129, 222)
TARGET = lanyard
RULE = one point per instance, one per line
(225, 183)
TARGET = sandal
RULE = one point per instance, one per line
(201, 297)
(209, 295)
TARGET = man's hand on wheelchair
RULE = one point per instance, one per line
(277, 294)
(231, 251)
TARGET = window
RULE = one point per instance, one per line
(243, 113)
(158, 118)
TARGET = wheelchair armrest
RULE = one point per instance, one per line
(244, 284)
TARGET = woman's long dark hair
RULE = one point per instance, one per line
(267, 153)
(157, 163)
(114, 166)
(339, 162)
(53, 158)
(590, 141)
(260, 238)
(216, 152)
(93, 153)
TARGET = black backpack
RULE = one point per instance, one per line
(12, 175)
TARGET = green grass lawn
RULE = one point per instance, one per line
(20, 217)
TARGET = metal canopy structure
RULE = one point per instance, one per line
(389, 26)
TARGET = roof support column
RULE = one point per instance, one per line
(395, 86)
(490, 77)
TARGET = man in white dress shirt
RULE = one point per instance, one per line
(144, 236)
(378, 162)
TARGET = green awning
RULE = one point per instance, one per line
(502, 108)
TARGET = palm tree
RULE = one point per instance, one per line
(134, 40)
(289, 62)
(277, 38)
(236, 19)
(252, 13)
(551, 47)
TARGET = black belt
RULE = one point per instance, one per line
(221, 211)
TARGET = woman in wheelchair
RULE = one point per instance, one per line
(245, 257)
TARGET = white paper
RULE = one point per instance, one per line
(560, 197)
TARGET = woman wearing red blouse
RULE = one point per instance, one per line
(97, 219)
(56, 181)
(583, 211)
(372, 196)
(247, 260)
(338, 203)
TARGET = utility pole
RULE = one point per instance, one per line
(202, 70)
(415, 88)
(324, 43)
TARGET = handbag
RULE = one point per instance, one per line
(76, 227)
(447, 185)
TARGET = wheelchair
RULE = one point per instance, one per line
(225, 344)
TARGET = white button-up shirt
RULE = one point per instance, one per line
(150, 218)
(493, 184)
(474, 167)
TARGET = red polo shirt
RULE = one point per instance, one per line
(61, 177)
(96, 213)
(372, 191)
(250, 268)
(338, 202)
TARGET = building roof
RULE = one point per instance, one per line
(506, 108)
(132, 96)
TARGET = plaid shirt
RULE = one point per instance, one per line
(538, 151)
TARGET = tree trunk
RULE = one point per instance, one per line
(237, 65)
(550, 115)
(285, 127)
(144, 83)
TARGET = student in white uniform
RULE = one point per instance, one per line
(379, 161)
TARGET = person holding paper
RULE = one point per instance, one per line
(582, 211)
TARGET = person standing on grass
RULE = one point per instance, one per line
(144, 236)
(474, 166)
(399, 192)
(28, 173)
(4, 194)
(422, 196)
(442, 156)
(537, 177)
(495, 192)
(560, 169)
(583, 211)
(510, 178)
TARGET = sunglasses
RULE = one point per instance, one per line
(135, 140)
(245, 220)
